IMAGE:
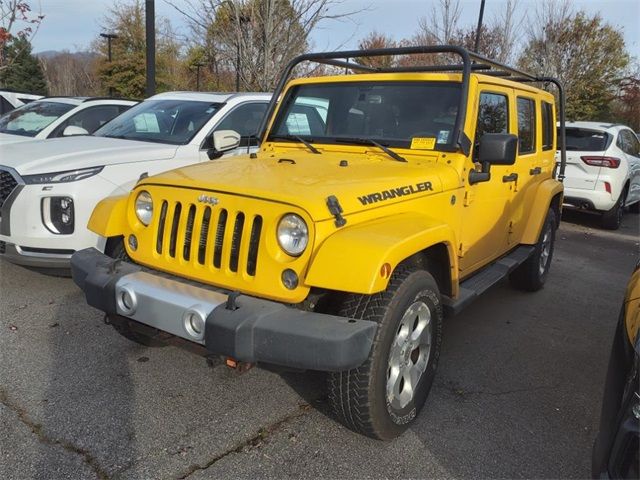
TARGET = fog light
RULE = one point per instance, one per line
(289, 279)
(57, 214)
(126, 299)
(133, 242)
(194, 322)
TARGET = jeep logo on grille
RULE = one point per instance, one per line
(207, 199)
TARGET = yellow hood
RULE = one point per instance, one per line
(306, 180)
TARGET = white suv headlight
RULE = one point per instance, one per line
(293, 234)
(144, 207)
(62, 177)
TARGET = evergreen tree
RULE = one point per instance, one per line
(24, 73)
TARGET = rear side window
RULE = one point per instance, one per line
(548, 124)
(584, 140)
(526, 126)
(629, 142)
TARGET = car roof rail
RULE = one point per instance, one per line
(471, 62)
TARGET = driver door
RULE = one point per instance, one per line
(485, 223)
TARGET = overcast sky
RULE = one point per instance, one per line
(73, 24)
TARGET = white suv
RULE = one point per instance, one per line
(49, 188)
(603, 170)
(53, 117)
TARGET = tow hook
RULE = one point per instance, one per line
(239, 367)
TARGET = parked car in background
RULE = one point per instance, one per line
(49, 188)
(54, 117)
(617, 446)
(11, 99)
(603, 170)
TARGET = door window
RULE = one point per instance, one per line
(526, 126)
(245, 120)
(493, 115)
(90, 118)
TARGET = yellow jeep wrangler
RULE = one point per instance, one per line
(377, 202)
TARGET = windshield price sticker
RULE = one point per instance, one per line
(423, 143)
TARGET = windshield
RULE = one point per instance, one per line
(391, 113)
(584, 140)
(29, 120)
(163, 121)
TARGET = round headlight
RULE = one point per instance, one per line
(293, 234)
(144, 207)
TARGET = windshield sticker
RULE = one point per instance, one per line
(395, 192)
(443, 136)
(423, 143)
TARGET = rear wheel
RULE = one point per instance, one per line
(531, 275)
(385, 394)
(612, 219)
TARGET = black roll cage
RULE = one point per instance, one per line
(470, 62)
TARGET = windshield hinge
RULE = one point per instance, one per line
(336, 210)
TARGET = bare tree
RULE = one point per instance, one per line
(442, 23)
(17, 20)
(255, 38)
(71, 73)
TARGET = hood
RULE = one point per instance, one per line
(307, 180)
(7, 138)
(69, 153)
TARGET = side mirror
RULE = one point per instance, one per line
(498, 149)
(494, 149)
(225, 140)
(72, 130)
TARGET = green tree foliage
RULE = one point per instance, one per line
(24, 73)
(588, 55)
(126, 73)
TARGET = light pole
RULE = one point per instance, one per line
(150, 29)
(198, 66)
(241, 19)
(477, 43)
(109, 37)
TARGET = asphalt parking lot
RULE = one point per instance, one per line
(517, 393)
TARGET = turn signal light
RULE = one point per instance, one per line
(599, 161)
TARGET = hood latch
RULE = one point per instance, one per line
(336, 210)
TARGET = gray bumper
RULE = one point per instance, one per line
(245, 328)
(39, 259)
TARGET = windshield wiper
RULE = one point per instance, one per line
(299, 139)
(368, 141)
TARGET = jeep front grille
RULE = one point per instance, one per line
(7, 184)
(194, 233)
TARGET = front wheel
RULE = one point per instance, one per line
(531, 275)
(385, 394)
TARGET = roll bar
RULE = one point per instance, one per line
(470, 62)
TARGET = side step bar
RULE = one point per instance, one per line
(480, 282)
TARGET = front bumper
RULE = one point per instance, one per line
(242, 327)
(37, 258)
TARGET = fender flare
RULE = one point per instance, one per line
(109, 218)
(354, 259)
(547, 191)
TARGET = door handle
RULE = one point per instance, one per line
(535, 171)
(510, 178)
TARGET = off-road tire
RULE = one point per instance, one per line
(531, 275)
(359, 396)
(612, 219)
(115, 249)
